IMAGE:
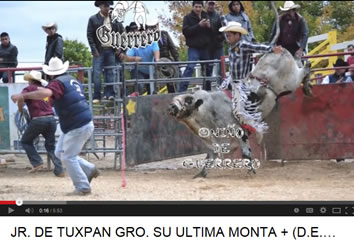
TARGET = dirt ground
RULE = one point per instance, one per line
(168, 180)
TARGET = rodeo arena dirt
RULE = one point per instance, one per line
(168, 180)
(158, 146)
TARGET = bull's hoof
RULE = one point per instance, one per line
(251, 170)
(307, 89)
(202, 174)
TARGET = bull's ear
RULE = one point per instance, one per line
(198, 103)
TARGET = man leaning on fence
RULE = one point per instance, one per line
(167, 49)
(339, 74)
(103, 54)
(76, 122)
(294, 31)
(8, 57)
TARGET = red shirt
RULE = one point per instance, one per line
(350, 60)
(38, 108)
(57, 88)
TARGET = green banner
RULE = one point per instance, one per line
(4, 119)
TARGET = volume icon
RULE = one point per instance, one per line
(29, 210)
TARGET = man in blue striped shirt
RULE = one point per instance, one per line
(240, 53)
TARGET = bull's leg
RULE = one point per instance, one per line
(306, 88)
(210, 161)
(268, 101)
(247, 152)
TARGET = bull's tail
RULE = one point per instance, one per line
(276, 36)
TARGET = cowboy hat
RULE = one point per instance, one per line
(98, 3)
(35, 75)
(49, 25)
(288, 5)
(55, 67)
(340, 63)
(233, 27)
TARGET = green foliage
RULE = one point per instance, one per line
(77, 53)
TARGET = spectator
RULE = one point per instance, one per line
(42, 122)
(196, 30)
(75, 120)
(167, 48)
(237, 14)
(131, 28)
(8, 57)
(216, 46)
(350, 77)
(350, 59)
(339, 74)
(240, 53)
(55, 43)
(103, 54)
(150, 53)
(294, 32)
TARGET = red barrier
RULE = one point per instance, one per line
(326, 130)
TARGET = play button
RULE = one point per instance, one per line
(10, 210)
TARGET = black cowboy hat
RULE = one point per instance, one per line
(340, 63)
(133, 26)
(230, 6)
(98, 3)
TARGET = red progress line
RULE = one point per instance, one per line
(7, 202)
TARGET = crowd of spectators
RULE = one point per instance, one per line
(203, 38)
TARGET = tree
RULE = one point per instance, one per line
(77, 53)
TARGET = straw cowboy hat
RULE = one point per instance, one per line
(55, 67)
(35, 75)
(288, 5)
(49, 25)
(234, 27)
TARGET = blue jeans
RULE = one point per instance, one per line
(47, 127)
(195, 55)
(216, 54)
(136, 74)
(5, 77)
(68, 149)
(105, 59)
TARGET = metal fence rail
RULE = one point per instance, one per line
(108, 134)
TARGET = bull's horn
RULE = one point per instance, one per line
(276, 36)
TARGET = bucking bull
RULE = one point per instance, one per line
(275, 74)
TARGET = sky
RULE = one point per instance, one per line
(22, 20)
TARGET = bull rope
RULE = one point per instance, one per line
(124, 182)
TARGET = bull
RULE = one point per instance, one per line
(274, 75)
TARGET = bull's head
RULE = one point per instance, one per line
(182, 106)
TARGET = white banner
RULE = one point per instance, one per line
(177, 228)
